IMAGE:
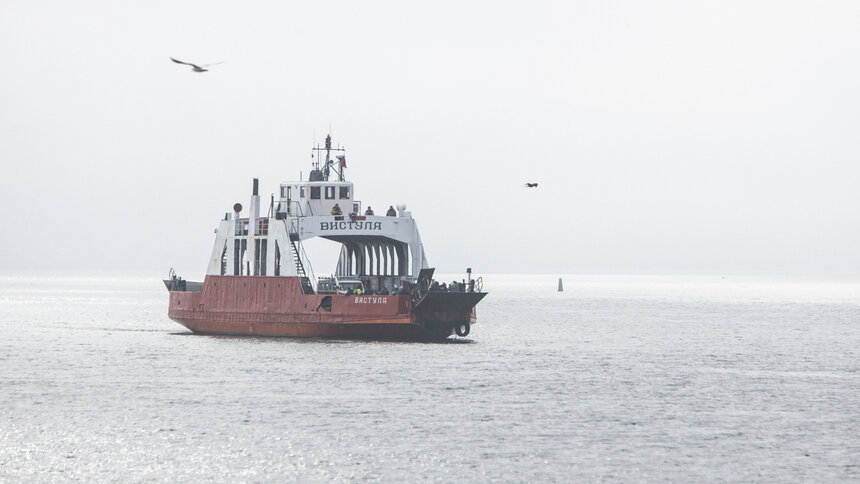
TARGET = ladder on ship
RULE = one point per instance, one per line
(307, 287)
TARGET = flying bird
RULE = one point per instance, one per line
(531, 185)
(195, 67)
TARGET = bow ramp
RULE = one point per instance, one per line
(427, 301)
(452, 302)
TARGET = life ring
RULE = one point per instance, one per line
(463, 329)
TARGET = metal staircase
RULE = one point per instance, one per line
(304, 276)
(300, 268)
(307, 287)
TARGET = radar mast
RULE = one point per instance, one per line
(337, 166)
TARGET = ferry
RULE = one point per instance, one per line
(260, 281)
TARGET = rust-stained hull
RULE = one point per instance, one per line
(275, 306)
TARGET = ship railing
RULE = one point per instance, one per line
(243, 225)
(298, 210)
(292, 209)
(262, 226)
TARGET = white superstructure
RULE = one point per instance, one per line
(382, 250)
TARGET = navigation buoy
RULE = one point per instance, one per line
(560, 287)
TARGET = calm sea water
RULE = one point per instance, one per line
(617, 378)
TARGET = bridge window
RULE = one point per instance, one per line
(283, 192)
(329, 193)
(302, 192)
(344, 193)
(315, 193)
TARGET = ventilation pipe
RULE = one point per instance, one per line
(253, 215)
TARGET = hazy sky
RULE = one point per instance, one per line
(667, 137)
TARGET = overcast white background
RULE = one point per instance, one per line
(667, 137)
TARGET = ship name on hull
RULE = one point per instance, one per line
(369, 299)
(351, 225)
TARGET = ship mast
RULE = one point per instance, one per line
(329, 163)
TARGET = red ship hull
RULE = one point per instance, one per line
(275, 306)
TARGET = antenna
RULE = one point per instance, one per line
(329, 163)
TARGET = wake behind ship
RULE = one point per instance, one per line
(260, 282)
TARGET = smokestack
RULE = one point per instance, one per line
(253, 216)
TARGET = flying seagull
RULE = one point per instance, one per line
(531, 185)
(195, 67)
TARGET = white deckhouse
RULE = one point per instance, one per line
(381, 250)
